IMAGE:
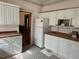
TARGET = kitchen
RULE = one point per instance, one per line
(54, 29)
(64, 35)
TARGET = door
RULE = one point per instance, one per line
(25, 27)
(27, 30)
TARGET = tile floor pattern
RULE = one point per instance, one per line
(32, 53)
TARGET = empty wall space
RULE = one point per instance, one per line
(61, 5)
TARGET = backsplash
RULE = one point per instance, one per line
(9, 28)
(64, 29)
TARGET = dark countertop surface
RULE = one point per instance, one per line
(63, 35)
(9, 34)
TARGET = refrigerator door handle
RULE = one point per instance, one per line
(41, 20)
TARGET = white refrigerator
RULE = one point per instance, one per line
(41, 27)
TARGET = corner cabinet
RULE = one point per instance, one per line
(61, 47)
(9, 14)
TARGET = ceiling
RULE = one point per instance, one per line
(44, 2)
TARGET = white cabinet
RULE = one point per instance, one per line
(61, 14)
(63, 48)
(4, 48)
(75, 21)
(77, 18)
(14, 43)
(47, 41)
(51, 43)
(69, 14)
(52, 18)
(54, 43)
(9, 15)
(74, 52)
(1, 14)
(66, 14)
(14, 15)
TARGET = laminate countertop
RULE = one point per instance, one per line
(63, 35)
(9, 34)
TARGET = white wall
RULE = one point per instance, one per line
(29, 7)
(61, 5)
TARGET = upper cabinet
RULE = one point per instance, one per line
(1, 15)
(71, 14)
(75, 21)
(52, 18)
(9, 14)
(61, 14)
(65, 14)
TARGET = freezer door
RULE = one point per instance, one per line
(39, 22)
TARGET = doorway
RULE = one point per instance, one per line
(25, 28)
(27, 31)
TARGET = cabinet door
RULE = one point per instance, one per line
(54, 43)
(7, 49)
(2, 14)
(74, 53)
(4, 48)
(5, 15)
(61, 14)
(51, 43)
(17, 41)
(47, 41)
(62, 48)
(76, 18)
(1, 20)
(52, 18)
(15, 16)
(15, 44)
(8, 16)
(69, 14)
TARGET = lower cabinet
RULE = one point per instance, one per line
(10, 46)
(61, 47)
(4, 48)
(51, 43)
(15, 44)
(74, 52)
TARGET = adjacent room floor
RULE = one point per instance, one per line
(32, 53)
